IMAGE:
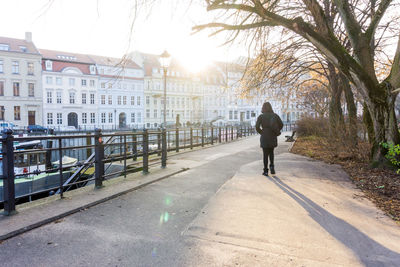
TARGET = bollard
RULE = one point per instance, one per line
(145, 152)
(8, 172)
(202, 136)
(191, 138)
(164, 148)
(212, 135)
(99, 159)
(177, 140)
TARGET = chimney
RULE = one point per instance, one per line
(28, 37)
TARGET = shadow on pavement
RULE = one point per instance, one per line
(370, 252)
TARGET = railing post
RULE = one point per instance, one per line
(8, 172)
(226, 134)
(219, 135)
(177, 139)
(60, 168)
(232, 133)
(99, 159)
(212, 135)
(202, 136)
(191, 138)
(134, 146)
(164, 149)
(237, 132)
(159, 143)
(145, 151)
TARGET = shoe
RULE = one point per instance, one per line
(272, 167)
(265, 173)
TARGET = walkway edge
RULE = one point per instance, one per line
(61, 215)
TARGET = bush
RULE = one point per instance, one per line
(309, 126)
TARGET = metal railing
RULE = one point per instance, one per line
(108, 155)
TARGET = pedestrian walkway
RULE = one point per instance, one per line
(221, 211)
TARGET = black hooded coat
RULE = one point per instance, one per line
(269, 126)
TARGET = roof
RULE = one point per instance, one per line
(65, 56)
(152, 61)
(18, 45)
(112, 61)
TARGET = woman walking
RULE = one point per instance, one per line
(269, 126)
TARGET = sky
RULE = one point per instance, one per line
(103, 27)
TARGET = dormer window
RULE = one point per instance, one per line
(92, 69)
(23, 48)
(49, 65)
(4, 47)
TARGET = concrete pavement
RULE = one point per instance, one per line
(222, 212)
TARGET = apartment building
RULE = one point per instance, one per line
(184, 102)
(70, 96)
(120, 93)
(20, 81)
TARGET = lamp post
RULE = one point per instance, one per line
(165, 60)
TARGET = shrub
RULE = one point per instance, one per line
(309, 126)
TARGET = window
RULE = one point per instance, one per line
(110, 117)
(167, 112)
(59, 118)
(132, 100)
(92, 118)
(132, 117)
(49, 65)
(31, 69)
(147, 100)
(72, 97)
(84, 118)
(103, 117)
(236, 115)
(84, 98)
(59, 101)
(155, 113)
(119, 100)
(1, 66)
(139, 117)
(49, 97)
(248, 115)
(1, 88)
(103, 99)
(49, 118)
(71, 81)
(58, 80)
(92, 84)
(124, 100)
(15, 67)
(147, 113)
(138, 100)
(2, 113)
(17, 113)
(83, 82)
(155, 102)
(31, 89)
(92, 69)
(16, 88)
(49, 80)
(103, 85)
(109, 85)
(92, 99)
(110, 99)
(230, 114)
(4, 47)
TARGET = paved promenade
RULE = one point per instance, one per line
(219, 212)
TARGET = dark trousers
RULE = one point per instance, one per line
(268, 153)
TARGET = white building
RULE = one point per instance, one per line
(70, 96)
(184, 93)
(20, 81)
(120, 93)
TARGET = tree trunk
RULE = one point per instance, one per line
(383, 117)
(351, 109)
(336, 121)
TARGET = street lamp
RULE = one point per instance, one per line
(165, 60)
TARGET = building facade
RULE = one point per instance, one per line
(120, 93)
(20, 81)
(70, 97)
